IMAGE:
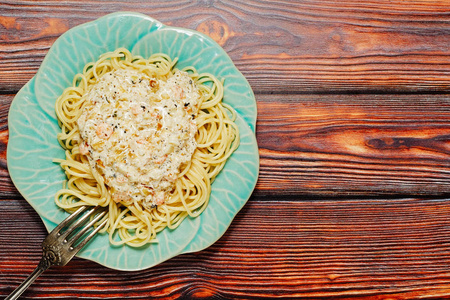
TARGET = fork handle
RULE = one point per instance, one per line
(42, 266)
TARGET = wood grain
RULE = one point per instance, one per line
(308, 46)
(302, 249)
(354, 135)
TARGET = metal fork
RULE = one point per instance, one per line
(63, 242)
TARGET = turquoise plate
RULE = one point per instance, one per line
(33, 127)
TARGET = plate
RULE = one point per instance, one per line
(33, 126)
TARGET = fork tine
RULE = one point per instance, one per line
(86, 227)
(89, 237)
(69, 219)
(78, 222)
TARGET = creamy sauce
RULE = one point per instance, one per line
(137, 131)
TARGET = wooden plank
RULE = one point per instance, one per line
(341, 145)
(303, 249)
(309, 46)
(354, 144)
(7, 188)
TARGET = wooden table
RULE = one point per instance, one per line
(354, 134)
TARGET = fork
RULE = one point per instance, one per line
(63, 242)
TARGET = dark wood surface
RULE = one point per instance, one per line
(353, 127)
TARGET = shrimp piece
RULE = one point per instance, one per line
(160, 160)
(159, 198)
(121, 179)
(104, 131)
(120, 197)
(84, 149)
(172, 177)
(137, 109)
(178, 92)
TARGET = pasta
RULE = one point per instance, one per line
(136, 219)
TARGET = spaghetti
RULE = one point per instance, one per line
(111, 145)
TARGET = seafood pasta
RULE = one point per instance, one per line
(145, 139)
